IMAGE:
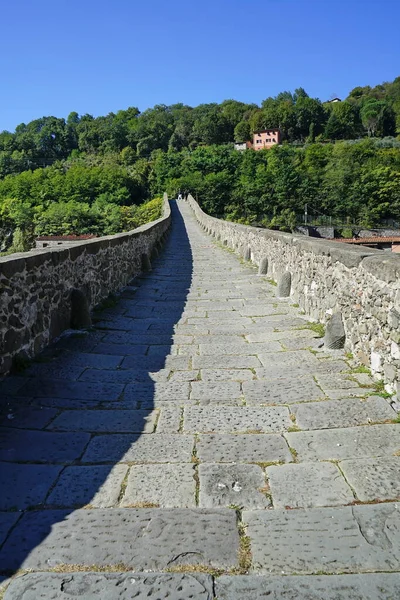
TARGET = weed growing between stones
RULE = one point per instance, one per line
(294, 453)
(123, 487)
(272, 282)
(360, 369)
(197, 482)
(245, 556)
(318, 328)
(209, 570)
(379, 390)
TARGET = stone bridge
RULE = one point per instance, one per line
(199, 440)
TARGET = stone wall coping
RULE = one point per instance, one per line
(349, 256)
(14, 263)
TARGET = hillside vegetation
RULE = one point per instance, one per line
(89, 175)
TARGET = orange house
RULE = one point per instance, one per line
(266, 138)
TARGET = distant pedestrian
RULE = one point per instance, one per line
(179, 196)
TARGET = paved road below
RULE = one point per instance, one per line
(198, 443)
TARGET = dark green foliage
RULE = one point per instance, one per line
(87, 175)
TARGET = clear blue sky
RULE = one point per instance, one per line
(98, 56)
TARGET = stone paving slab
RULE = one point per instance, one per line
(116, 421)
(97, 486)
(165, 486)
(28, 417)
(19, 445)
(163, 391)
(12, 385)
(269, 336)
(237, 485)
(90, 359)
(169, 420)
(353, 442)
(192, 375)
(204, 390)
(82, 403)
(111, 586)
(211, 419)
(59, 388)
(225, 362)
(137, 538)
(121, 376)
(135, 339)
(307, 485)
(209, 375)
(300, 343)
(121, 349)
(374, 478)
(224, 348)
(7, 520)
(373, 586)
(23, 486)
(342, 413)
(282, 392)
(155, 362)
(332, 540)
(298, 357)
(249, 448)
(147, 448)
(55, 369)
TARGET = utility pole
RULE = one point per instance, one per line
(305, 214)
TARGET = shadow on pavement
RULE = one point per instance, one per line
(78, 416)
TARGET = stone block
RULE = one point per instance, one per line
(24, 486)
(374, 479)
(111, 586)
(332, 540)
(352, 442)
(139, 539)
(371, 586)
(107, 421)
(263, 266)
(153, 448)
(95, 486)
(235, 419)
(215, 375)
(7, 520)
(203, 390)
(174, 391)
(80, 310)
(58, 388)
(225, 362)
(249, 448)
(335, 335)
(232, 485)
(19, 445)
(342, 413)
(286, 391)
(284, 285)
(166, 486)
(308, 485)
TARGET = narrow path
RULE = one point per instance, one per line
(200, 438)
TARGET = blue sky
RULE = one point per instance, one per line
(98, 56)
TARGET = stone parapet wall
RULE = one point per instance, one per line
(361, 284)
(36, 287)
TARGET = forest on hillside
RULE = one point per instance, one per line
(92, 175)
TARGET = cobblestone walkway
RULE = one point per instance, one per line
(198, 443)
